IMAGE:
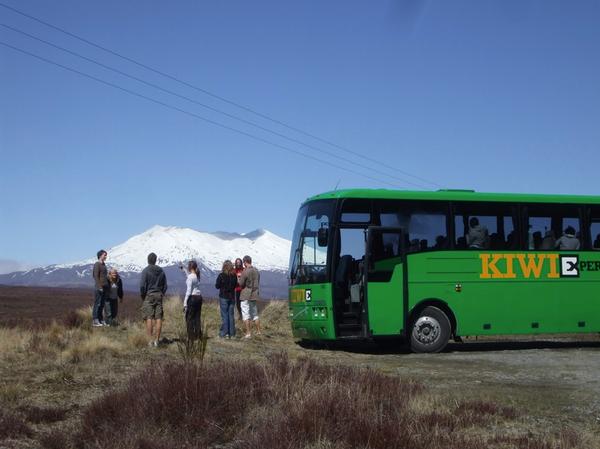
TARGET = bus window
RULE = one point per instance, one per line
(548, 223)
(424, 224)
(352, 243)
(426, 230)
(594, 230)
(356, 211)
(308, 261)
(484, 226)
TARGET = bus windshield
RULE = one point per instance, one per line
(308, 260)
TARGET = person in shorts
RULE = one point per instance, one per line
(249, 281)
(153, 286)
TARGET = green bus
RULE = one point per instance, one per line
(432, 266)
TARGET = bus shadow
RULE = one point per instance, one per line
(519, 345)
(368, 347)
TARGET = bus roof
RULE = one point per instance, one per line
(456, 195)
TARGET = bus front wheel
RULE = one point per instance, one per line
(430, 331)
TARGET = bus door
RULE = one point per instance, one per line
(383, 281)
(348, 280)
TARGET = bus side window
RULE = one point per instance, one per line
(594, 231)
(484, 226)
(552, 227)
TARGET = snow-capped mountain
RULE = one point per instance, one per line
(173, 246)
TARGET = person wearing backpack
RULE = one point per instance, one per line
(226, 284)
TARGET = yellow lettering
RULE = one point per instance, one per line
(531, 266)
(553, 259)
(487, 265)
(510, 274)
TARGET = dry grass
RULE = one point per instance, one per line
(11, 393)
(290, 404)
(242, 397)
(13, 341)
(91, 347)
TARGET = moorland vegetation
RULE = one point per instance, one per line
(67, 385)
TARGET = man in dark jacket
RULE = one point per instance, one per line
(153, 287)
(101, 287)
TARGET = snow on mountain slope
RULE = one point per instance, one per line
(173, 245)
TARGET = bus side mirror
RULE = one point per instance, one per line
(322, 236)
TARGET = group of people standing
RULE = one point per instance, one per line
(108, 293)
(238, 286)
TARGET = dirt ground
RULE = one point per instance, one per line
(553, 380)
(556, 380)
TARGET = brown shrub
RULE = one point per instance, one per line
(55, 440)
(37, 415)
(281, 403)
(73, 319)
(12, 426)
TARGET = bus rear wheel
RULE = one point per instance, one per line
(430, 331)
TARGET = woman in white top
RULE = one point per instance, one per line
(192, 303)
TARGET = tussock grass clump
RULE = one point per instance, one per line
(78, 318)
(95, 345)
(13, 340)
(137, 340)
(274, 319)
(10, 393)
(282, 403)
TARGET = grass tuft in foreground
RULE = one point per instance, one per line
(292, 404)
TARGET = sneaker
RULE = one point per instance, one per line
(104, 323)
(97, 323)
(247, 336)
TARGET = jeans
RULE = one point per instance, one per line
(192, 317)
(112, 309)
(98, 309)
(238, 303)
(227, 318)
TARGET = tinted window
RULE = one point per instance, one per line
(553, 226)
(489, 226)
(424, 223)
(594, 230)
(356, 211)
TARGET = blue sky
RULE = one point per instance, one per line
(489, 95)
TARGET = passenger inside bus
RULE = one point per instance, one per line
(549, 240)
(478, 235)
(568, 241)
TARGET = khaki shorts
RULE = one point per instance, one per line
(152, 307)
(249, 310)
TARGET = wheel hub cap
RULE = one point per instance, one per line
(426, 330)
